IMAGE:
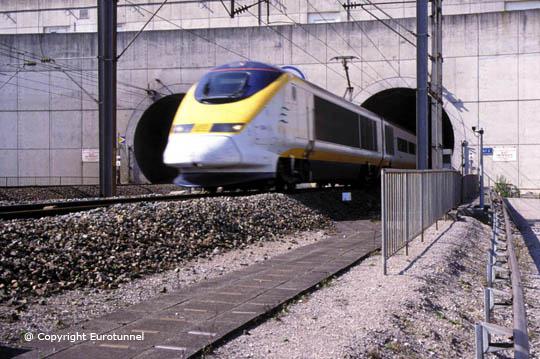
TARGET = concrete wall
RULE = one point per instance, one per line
(491, 76)
(31, 16)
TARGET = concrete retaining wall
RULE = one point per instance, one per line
(491, 76)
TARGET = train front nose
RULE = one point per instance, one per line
(207, 151)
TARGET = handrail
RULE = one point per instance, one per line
(502, 267)
(521, 337)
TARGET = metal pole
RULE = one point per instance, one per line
(422, 204)
(406, 213)
(107, 96)
(436, 83)
(422, 84)
(384, 220)
(481, 168)
(259, 13)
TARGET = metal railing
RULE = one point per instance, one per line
(412, 200)
(502, 269)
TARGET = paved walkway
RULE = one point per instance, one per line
(186, 322)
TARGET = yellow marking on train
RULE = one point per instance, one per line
(327, 156)
(192, 111)
(201, 127)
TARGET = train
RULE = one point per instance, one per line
(248, 122)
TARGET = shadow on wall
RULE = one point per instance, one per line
(151, 139)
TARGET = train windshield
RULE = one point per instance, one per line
(231, 86)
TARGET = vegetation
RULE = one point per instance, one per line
(505, 188)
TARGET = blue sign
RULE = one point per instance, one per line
(487, 151)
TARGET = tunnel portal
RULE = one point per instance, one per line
(151, 139)
(398, 105)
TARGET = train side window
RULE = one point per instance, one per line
(389, 140)
(293, 93)
(336, 124)
(368, 134)
(402, 145)
(412, 148)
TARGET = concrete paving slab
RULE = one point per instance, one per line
(193, 315)
(93, 351)
(185, 322)
(164, 352)
(123, 316)
(158, 326)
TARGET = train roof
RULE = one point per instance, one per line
(256, 65)
(346, 103)
(247, 65)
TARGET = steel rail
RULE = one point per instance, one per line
(521, 337)
(46, 209)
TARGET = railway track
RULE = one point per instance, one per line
(53, 208)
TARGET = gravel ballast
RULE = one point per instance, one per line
(19, 195)
(426, 306)
(105, 247)
(69, 308)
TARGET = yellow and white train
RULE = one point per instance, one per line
(249, 122)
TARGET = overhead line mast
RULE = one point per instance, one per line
(422, 84)
(107, 96)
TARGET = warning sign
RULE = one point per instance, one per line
(90, 155)
(504, 154)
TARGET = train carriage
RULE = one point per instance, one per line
(249, 122)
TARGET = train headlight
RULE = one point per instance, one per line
(182, 128)
(227, 127)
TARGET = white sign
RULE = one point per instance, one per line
(90, 155)
(504, 154)
(346, 197)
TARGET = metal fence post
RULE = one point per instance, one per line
(406, 214)
(479, 333)
(422, 204)
(383, 219)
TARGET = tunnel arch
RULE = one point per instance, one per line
(150, 139)
(398, 105)
(140, 117)
(389, 97)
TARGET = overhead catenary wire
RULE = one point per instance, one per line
(385, 24)
(376, 6)
(141, 30)
(46, 62)
(50, 69)
(189, 31)
(44, 91)
(322, 41)
(24, 79)
(154, 14)
(302, 49)
(8, 80)
(355, 23)
(85, 74)
(348, 44)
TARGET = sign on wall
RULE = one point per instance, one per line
(90, 155)
(487, 151)
(504, 154)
